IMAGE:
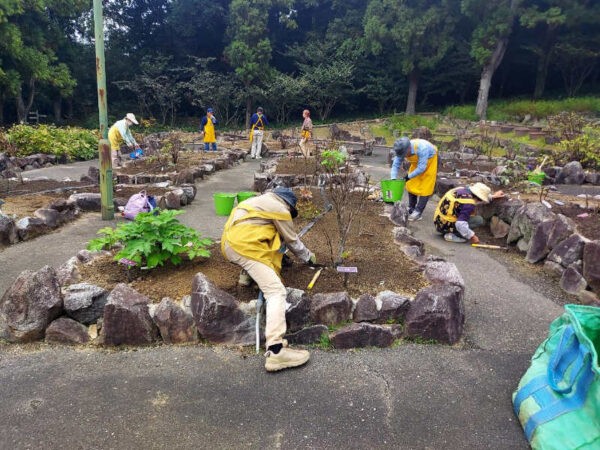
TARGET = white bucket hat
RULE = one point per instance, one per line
(131, 117)
(481, 191)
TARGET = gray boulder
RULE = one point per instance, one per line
(366, 309)
(31, 227)
(50, 217)
(526, 220)
(190, 192)
(175, 324)
(68, 273)
(547, 235)
(66, 331)
(571, 173)
(331, 308)
(308, 336)
(297, 314)
(591, 264)
(362, 334)
(498, 227)
(505, 209)
(391, 307)
(399, 214)
(403, 237)
(85, 302)
(29, 305)
(186, 176)
(568, 251)
(172, 200)
(572, 281)
(126, 318)
(218, 316)
(8, 230)
(589, 298)
(436, 313)
(87, 201)
(553, 268)
(443, 272)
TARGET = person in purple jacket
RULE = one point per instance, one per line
(455, 213)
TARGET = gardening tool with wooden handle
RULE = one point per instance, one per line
(493, 247)
(259, 304)
(539, 168)
(315, 278)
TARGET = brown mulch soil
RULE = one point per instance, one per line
(588, 226)
(10, 188)
(152, 165)
(381, 265)
(297, 166)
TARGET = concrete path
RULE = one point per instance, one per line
(409, 397)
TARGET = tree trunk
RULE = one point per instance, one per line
(486, 77)
(413, 83)
(248, 111)
(543, 63)
(57, 107)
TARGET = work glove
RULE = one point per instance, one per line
(312, 260)
(474, 239)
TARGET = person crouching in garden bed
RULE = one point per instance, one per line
(455, 214)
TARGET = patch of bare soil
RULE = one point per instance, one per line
(12, 188)
(297, 166)
(381, 265)
(164, 164)
(25, 205)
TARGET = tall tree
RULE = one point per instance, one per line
(413, 35)
(493, 24)
(249, 51)
(30, 34)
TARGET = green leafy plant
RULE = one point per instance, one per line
(585, 148)
(568, 125)
(332, 160)
(70, 142)
(151, 240)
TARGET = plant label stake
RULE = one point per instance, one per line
(128, 263)
(346, 270)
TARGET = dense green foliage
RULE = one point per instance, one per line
(70, 142)
(151, 240)
(170, 60)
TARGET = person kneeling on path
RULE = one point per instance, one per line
(207, 126)
(253, 238)
(455, 214)
(420, 179)
(119, 134)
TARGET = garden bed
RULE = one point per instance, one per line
(381, 265)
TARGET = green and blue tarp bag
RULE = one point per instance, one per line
(558, 398)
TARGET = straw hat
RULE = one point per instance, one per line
(131, 117)
(481, 191)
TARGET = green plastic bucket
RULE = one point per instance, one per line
(392, 190)
(245, 195)
(536, 177)
(224, 203)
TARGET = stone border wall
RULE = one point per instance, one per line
(180, 190)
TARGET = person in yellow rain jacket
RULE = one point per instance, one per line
(420, 179)
(207, 126)
(252, 238)
(119, 135)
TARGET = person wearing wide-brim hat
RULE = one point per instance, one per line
(455, 213)
(120, 135)
(254, 238)
(207, 126)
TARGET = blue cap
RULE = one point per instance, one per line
(288, 196)
(209, 110)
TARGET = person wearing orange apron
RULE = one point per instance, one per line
(420, 179)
